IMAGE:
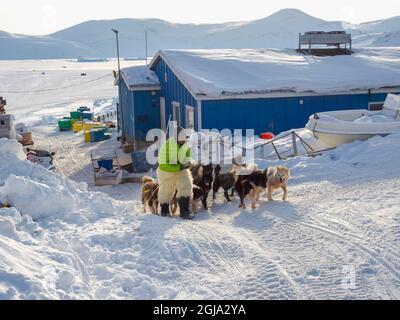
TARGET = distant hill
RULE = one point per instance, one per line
(20, 47)
(280, 30)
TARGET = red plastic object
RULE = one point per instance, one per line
(267, 136)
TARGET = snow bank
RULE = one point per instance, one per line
(38, 199)
(36, 261)
(222, 72)
(10, 147)
(37, 192)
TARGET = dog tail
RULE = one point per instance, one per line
(147, 179)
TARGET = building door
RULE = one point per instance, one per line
(189, 117)
(176, 108)
(162, 114)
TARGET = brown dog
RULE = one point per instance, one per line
(277, 177)
(150, 194)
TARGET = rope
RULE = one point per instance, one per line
(153, 193)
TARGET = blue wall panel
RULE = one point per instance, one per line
(173, 90)
(147, 112)
(140, 111)
(277, 114)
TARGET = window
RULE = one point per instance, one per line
(176, 109)
(375, 106)
(189, 117)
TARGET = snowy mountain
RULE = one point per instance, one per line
(16, 47)
(279, 30)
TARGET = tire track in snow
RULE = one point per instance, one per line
(268, 280)
(225, 259)
(383, 262)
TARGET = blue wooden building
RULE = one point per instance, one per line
(139, 102)
(264, 90)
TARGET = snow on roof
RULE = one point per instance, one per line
(140, 76)
(219, 73)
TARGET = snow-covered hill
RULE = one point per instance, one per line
(19, 47)
(279, 30)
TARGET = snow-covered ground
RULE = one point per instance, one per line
(336, 238)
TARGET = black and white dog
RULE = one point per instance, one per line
(251, 185)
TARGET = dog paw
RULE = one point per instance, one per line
(253, 207)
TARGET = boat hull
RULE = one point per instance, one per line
(333, 140)
(335, 128)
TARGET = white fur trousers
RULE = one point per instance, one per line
(170, 181)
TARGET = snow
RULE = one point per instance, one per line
(140, 76)
(78, 241)
(374, 119)
(228, 72)
(392, 105)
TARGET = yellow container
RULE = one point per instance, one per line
(77, 126)
(86, 136)
(90, 125)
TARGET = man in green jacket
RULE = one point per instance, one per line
(173, 174)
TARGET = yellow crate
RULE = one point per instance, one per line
(86, 136)
(90, 125)
(77, 126)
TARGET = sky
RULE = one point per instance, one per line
(38, 17)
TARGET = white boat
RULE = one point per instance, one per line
(335, 128)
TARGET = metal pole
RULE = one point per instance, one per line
(119, 88)
(119, 65)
